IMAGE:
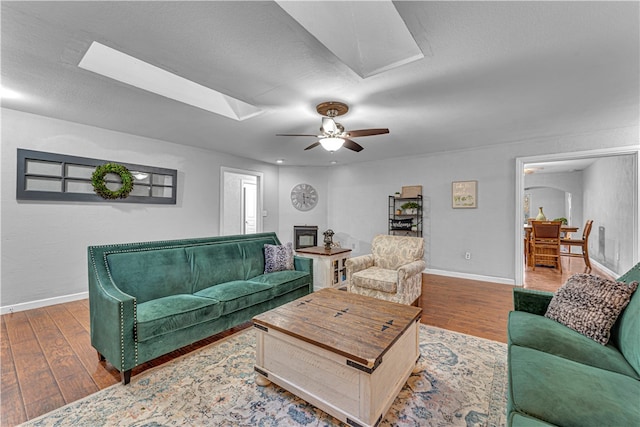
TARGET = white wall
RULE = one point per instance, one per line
(290, 176)
(608, 184)
(44, 243)
(554, 204)
(358, 200)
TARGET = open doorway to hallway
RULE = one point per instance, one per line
(241, 201)
(606, 191)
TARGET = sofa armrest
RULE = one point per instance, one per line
(112, 314)
(411, 269)
(306, 265)
(632, 275)
(358, 263)
(531, 301)
(303, 264)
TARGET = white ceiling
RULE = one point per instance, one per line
(492, 72)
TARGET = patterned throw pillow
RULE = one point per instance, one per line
(278, 257)
(590, 305)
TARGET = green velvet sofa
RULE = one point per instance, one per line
(560, 377)
(148, 299)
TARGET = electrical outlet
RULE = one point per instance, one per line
(467, 255)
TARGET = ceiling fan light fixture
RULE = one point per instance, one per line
(331, 144)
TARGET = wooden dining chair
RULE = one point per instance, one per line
(581, 243)
(545, 243)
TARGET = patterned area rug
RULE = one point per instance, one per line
(463, 384)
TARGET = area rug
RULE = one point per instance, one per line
(463, 383)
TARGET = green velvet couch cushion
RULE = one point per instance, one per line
(517, 419)
(625, 334)
(145, 276)
(544, 334)
(531, 300)
(567, 393)
(253, 256)
(172, 313)
(237, 295)
(214, 264)
(283, 281)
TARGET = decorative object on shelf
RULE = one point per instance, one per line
(401, 224)
(405, 216)
(397, 194)
(562, 219)
(410, 208)
(304, 197)
(328, 239)
(100, 187)
(464, 194)
(411, 191)
(540, 216)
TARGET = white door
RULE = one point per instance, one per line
(241, 201)
(249, 206)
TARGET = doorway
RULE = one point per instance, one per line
(633, 228)
(249, 211)
(241, 201)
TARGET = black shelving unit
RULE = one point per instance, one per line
(404, 223)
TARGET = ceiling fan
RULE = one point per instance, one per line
(332, 134)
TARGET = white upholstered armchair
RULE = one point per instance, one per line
(393, 271)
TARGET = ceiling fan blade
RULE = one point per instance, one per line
(315, 144)
(352, 145)
(295, 134)
(366, 132)
(329, 126)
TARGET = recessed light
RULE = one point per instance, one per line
(334, 162)
(119, 66)
(280, 161)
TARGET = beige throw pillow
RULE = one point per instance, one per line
(590, 305)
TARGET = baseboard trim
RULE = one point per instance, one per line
(492, 279)
(603, 268)
(42, 303)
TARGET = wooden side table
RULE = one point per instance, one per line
(329, 269)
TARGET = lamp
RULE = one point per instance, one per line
(331, 144)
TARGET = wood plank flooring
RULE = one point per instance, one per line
(47, 360)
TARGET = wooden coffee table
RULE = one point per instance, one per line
(347, 354)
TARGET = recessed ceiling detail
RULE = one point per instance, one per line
(119, 66)
(369, 37)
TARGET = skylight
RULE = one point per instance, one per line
(119, 66)
(370, 37)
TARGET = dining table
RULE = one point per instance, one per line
(565, 229)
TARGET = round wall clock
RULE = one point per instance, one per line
(304, 197)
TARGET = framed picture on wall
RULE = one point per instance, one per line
(464, 194)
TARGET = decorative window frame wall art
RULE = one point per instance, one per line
(464, 194)
(57, 177)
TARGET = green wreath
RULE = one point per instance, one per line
(100, 187)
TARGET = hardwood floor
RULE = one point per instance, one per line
(47, 360)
